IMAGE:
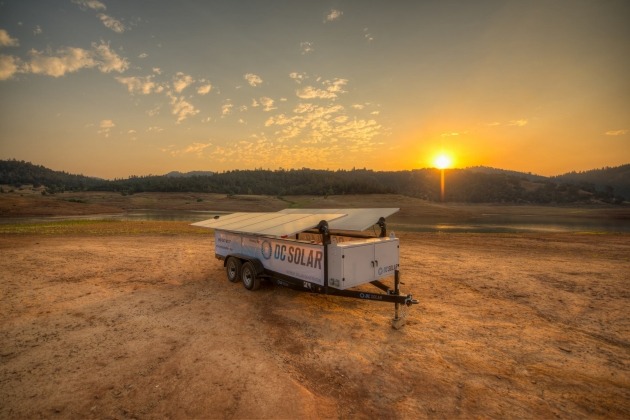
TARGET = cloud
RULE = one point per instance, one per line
(194, 148)
(110, 61)
(518, 123)
(204, 89)
(143, 55)
(368, 37)
(330, 91)
(493, 124)
(181, 108)
(112, 23)
(89, 4)
(181, 81)
(37, 30)
(142, 85)
(69, 60)
(252, 79)
(267, 104)
(336, 85)
(309, 92)
(105, 127)
(6, 40)
(197, 148)
(306, 47)
(9, 65)
(109, 21)
(226, 109)
(66, 60)
(616, 132)
(333, 15)
(298, 77)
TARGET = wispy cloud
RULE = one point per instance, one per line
(616, 132)
(333, 15)
(253, 79)
(181, 108)
(107, 20)
(66, 60)
(330, 90)
(9, 66)
(6, 40)
(89, 4)
(38, 30)
(181, 81)
(143, 85)
(108, 60)
(267, 104)
(367, 35)
(192, 149)
(226, 109)
(518, 123)
(105, 127)
(306, 47)
(112, 23)
(298, 77)
(204, 89)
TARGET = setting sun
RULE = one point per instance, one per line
(443, 161)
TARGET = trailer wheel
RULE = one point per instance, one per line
(233, 269)
(250, 278)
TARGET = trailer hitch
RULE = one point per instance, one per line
(411, 301)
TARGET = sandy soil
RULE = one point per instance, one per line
(147, 326)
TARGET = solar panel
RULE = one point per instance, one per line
(356, 220)
(274, 224)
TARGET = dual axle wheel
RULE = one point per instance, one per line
(244, 271)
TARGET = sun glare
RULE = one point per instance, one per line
(443, 161)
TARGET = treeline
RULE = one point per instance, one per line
(472, 185)
(616, 179)
(16, 173)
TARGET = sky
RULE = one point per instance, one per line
(114, 88)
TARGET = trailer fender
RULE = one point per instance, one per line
(258, 266)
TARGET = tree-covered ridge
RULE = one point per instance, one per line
(15, 173)
(472, 185)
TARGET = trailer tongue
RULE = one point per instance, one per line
(322, 251)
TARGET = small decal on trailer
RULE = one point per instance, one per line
(370, 296)
(388, 269)
(266, 250)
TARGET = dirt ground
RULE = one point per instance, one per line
(147, 326)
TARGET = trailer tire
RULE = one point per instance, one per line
(233, 269)
(249, 276)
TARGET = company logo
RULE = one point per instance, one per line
(266, 250)
(388, 269)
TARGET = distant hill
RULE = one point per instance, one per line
(489, 170)
(177, 174)
(470, 185)
(617, 178)
(16, 173)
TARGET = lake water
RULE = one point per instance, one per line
(489, 223)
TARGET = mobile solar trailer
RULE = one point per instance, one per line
(317, 250)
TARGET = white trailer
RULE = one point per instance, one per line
(323, 251)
